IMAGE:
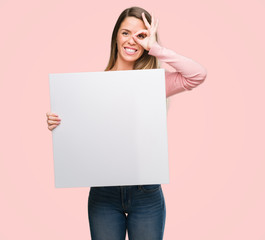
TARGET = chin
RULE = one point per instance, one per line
(131, 59)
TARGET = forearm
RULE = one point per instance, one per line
(188, 73)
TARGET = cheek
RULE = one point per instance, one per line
(141, 50)
(120, 40)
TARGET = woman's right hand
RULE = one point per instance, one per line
(53, 120)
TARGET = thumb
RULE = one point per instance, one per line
(136, 39)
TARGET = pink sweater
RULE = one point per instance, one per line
(188, 75)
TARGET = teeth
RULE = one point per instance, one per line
(130, 50)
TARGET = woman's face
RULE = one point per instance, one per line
(128, 50)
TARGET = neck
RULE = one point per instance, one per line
(121, 65)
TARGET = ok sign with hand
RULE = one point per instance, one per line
(150, 34)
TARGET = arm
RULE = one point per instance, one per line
(188, 75)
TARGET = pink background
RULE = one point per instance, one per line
(216, 131)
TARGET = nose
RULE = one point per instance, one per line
(131, 41)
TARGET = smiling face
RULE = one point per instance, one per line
(128, 50)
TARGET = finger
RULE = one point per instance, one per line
(145, 21)
(142, 31)
(54, 118)
(136, 39)
(139, 37)
(50, 122)
(156, 26)
(49, 113)
(52, 127)
(152, 20)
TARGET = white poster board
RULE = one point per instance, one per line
(113, 130)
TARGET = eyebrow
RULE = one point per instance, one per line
(125, 30)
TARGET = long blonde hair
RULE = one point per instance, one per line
(146, 61)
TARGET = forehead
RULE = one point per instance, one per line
(133, 24)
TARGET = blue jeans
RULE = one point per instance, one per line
(138, 208)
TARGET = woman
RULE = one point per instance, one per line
(140, 208)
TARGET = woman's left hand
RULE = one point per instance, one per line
(150, 34)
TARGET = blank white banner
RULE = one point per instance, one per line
(113, 130)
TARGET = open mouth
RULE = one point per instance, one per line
(130, 51)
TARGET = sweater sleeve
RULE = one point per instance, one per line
(188, 75)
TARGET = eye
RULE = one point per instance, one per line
(142, 36)
(124, 33)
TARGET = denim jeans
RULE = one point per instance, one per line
(139, 209)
